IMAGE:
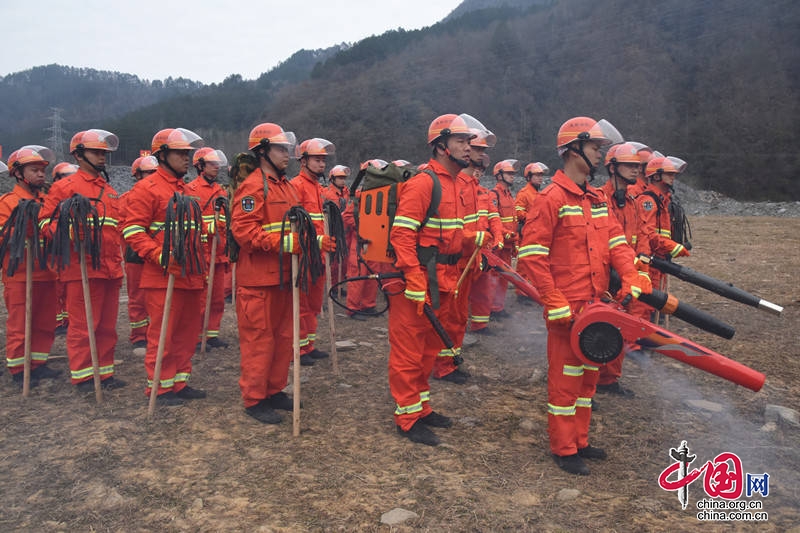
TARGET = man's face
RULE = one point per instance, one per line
(339, 181)
(96, 157)
(668, 178)
(459, 147)
(211, 170)
(34, 175)
(476, 155)
(536, 179)
(315, 164)
(279, 155)
(629, 171)
(178, 160)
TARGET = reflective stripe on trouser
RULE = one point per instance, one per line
(183, 330)
(217, 300)
(104, 294)
(44, 308)
(454, 321)
(137, 314)
(570, 387)
(413, 347)
(264, 318)
(310, 307)
(499, 284)
(62, 317)
(480, 301)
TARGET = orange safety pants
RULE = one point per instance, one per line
(43, 323)
(480, 301)
(361, 295)
(137, 314)
(264, 316)
(62, 317)
(413, 348)
(499, 286)
(571, 385)
(183, 329)
(455, 323)
(310, 308)
(217, 301)
(104, 294)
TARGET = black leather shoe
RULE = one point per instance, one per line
(483, 331)
(615, 388)
(169, 399)
(140, 344)
(111, 383)
(500, 314)
(45, 372)
(436, 420)
(216, 342)
(359, 317)
(420, 433)
(85, 386)
(318, 354)
(282, 401)
(572, 464)
(456, 376)
(18, 379)
(264, 413)
(306, 360)
(188, 393)
(591, 452)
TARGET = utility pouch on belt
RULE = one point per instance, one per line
(132, 257)
(429, 257)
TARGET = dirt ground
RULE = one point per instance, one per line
(71, 465)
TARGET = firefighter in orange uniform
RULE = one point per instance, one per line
(143, 229)
(645, 154)
(91, 149)
(653, 203)
(28, 166)
(62, 170)
(624, 166)
(362, 295)
(475, 200)
(413, 341)
(312, 154)
(568, 247)
(338, 193)
(206, 190)
(534, 175)
(505, 171)
(137, 312)
(264, 274)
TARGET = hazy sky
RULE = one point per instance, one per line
(203, 40)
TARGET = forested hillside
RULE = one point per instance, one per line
(714, 83)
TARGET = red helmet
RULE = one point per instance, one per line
(377, 163)
(623, 153)
(268, 133)
(450, 124)
(535, 168)
(64, 169)
(144, 164)
(209, 155)
(30, 154)
(506, 165)
(94, 140)
(315, 146)
(661, 164)
(586, 129)
(175, 139)
(340, 171)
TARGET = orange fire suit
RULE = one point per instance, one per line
(481, 295)
(263, 305)
(524, 202)
(104, 283)
(656, 228)
(567, 249)
(43, 307)
(137, 312)
(206, 195)
(504, 201)
(628, 216)
(361, 295)
(143, 229)
(62, 317)
(341, 197)
(309, 191)
(414, 344)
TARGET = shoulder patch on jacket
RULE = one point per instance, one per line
(248, 204)
(647, 205)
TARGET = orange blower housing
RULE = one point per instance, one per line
(601, 330)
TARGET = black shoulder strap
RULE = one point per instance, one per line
(436, 197)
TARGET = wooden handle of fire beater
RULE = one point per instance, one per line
(26, 377)
(162, 342)
(87, 301)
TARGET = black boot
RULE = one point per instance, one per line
(572, 464)
(591, 452)
(420, 433)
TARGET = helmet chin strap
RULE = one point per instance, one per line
(579, 151)
(99, 170)
(463, 163)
